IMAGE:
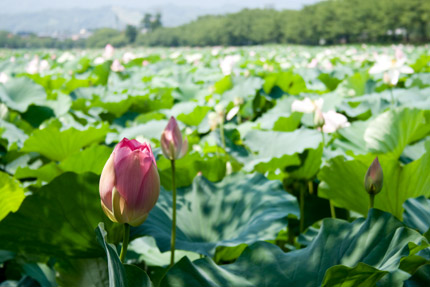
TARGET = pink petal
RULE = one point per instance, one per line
(107, 182)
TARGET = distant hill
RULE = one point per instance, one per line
(58, 22)
(52, 18)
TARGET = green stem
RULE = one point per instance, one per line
(290, 239)
(173, 238)
(221, 132)
(125, 242)
(332, 210)
(372, 200)
(392, 96)
(323, 137)
(302, 209)
(311, 187)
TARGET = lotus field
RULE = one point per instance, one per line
(252, 166)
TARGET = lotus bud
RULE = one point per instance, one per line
(129, 183)
(220, 110)
(374, 178)
(213, 120)
(318, 118)
(172, 144)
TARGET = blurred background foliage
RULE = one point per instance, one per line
(326, 22)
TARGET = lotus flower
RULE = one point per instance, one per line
(127, 57)
(116, 66)
(129, 183)
(227, 64)
(4, 78)
(374, 178)
(307, 105)
(334, 121)
(109, 51)
(392, 68)
(172, 144)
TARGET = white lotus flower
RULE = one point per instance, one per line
(116, 66)
(109, 50)
(233, 111)
(194, 58)
(33, 66)
(127, 57)
(43, 66)
(334, 121)
(175, 55)
(227, 64)
(313, 63)
(392, 68)
(99, 61)
(3, 78)
(65, 57)
(307, 105)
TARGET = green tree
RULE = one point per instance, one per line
(131, 33)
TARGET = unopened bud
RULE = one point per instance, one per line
(318, 118)
(374, 178)
(172, 144)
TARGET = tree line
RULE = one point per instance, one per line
(326, 22)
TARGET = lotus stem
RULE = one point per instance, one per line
(173, 238)
(302, 209)
(125, 242)
(332, 210)
(371, 201)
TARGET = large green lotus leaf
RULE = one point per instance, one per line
(56, 144)
(244, 88)
(343, 182)
(59, 219)
(281, 109)
(120, 275)
(12, 134)
(19, 93)
(415, 151)
(145, 249)
(311, 161)
(11, 195)
(351, 138)
(239, 209)
(361, 252)
(392, 131)
(117, 104)
(211, 166)
(190, 113)
(41, 273)
(417, 213)
(223, 85)
(151, 130)
(83, 273)
(45, 173)
(389, 133)
(288, 81)
(278, 149)
(91, 159)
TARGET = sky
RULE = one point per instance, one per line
(28, 6)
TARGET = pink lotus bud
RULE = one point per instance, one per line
(172, 145)
(129, 184)
(374, 178)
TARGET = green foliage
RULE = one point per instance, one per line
(362, 252)
(227, 213)
(259, 177)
